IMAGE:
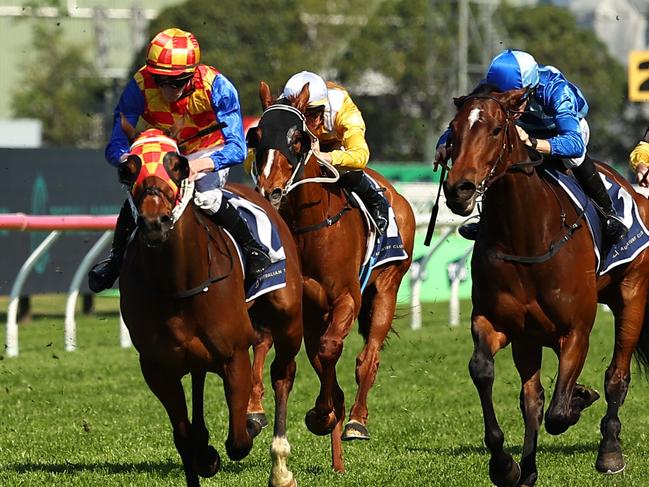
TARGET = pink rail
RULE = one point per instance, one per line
(23, 222)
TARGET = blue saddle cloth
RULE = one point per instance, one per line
(274, 277)
(386, 248)
(636, 240)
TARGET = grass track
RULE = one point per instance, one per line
(87, 419)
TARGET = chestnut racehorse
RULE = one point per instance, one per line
(183, 301)
(331, 238)
(535, 284)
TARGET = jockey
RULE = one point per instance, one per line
(173, 85)
(639, 161)
(339, 125)
(553, 122)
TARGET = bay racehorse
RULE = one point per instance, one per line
(183, 301)
(331, 237)
(535, 284)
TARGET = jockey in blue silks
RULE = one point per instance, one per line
(553, 122)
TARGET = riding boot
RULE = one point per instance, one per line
(591, 183)
(257, 260)
(377, 205)
(469, 230)
(103, 275)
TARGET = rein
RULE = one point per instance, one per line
(296, 178)
(204, 286)
(524, 166)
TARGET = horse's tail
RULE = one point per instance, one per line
(642, 348)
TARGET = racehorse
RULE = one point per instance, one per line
(331, 238)
(535, 284)
(183, 301)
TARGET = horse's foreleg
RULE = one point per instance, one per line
(628, 327)
(527, 358)
(377, 320)
(288, 338)
(206, 458)
(329, 411)
(564, 410)
(503, 470)
(260, 348)
(237, 383)
(169, 391)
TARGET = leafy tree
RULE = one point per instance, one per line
(63, 90)
(553, 37)
(246, 40)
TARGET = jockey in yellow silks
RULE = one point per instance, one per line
(639, 161)
(340, 131)
(174, 89)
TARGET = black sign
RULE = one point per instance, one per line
(55, 182)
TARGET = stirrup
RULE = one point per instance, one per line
(614, 228)
(257, 261)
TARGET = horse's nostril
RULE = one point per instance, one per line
(165, 220)
(276, 195)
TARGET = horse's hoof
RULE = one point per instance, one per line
(254, 427)
(355, 430)
(318, 424)
(510, 479)
(258, 418)
(290, 483)
(610, 463)
(208, 462)
(584, 396)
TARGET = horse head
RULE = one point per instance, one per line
(282, 144)
(153, 170)
(483, 144)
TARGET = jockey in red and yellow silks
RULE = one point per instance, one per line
(340, 128)
(174, 89)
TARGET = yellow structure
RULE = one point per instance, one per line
(638, 75)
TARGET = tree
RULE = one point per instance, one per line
(63, 90)
(246, 40)
(553, 37)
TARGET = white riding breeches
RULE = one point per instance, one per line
(585, 135)
(207, 193)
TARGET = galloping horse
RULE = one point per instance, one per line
(331, 239)
(183, 301)
(535, 283)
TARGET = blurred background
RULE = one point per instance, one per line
(65, 62)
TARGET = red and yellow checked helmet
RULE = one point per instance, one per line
(173, 52)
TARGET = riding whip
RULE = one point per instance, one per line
(205, 131)
(435, 210)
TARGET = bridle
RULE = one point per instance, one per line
(296, 178)
(507, 147)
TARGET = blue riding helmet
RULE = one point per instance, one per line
(512, 70)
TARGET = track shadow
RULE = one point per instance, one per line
(164, 468)
(513, 449)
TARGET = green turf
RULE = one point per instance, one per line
(87, 419)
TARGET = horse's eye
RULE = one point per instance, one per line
(496, 131)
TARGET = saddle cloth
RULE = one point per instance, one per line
(274, 277)
(635, 241)
(380, 248)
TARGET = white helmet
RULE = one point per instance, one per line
(318, 93)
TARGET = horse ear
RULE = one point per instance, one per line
(128, 170)
(264, 95)
(177, 166)
(128, 129)
(253, 137)
(302, 99)
(459, 101)
(516, 100)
